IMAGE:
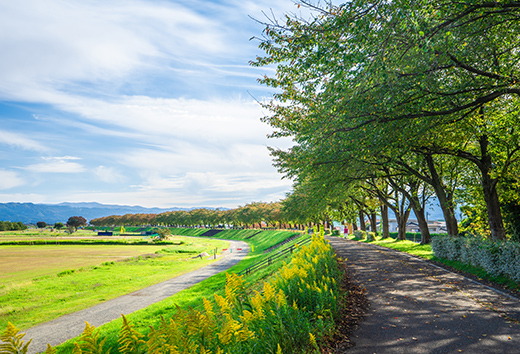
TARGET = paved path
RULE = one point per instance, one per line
(70, 326)
(416, 307)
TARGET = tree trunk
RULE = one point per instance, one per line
(373, 222)
(496, 224)
(384, 220)
(401, 226)
(489, 187)
(402, 214)
(445, 199)
(423, 223)
(362, 224)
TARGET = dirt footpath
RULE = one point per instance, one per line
(417, 307)
(70, 326)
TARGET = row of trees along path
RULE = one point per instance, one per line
(389, 103)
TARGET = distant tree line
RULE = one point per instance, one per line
(12, 226)
(252, 215)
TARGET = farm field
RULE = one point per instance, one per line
(42, 282)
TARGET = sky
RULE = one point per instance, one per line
(149, 103)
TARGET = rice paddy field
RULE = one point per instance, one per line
(40, 282)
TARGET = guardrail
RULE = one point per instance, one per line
(269, 260)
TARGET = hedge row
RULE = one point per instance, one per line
(496, 258)
(86, 242)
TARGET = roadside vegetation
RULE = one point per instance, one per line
(290, 305)
(291, 310)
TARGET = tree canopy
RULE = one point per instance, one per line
(76, 221)
(395, 89)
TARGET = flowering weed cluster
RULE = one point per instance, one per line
(496, 258)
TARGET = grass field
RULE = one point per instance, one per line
(42, 282)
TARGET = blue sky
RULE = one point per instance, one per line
(147, 103)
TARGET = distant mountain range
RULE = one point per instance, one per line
(30, 213)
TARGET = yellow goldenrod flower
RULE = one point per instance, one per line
(312, 340)
(279, 349)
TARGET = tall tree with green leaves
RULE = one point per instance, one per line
(361, 77)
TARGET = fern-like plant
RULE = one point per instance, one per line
(11, 341)
(50, 350)
(130, 340)
(89, 342)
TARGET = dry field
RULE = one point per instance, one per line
(22, 263)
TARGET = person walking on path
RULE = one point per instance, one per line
(72, 325)
(417, 307)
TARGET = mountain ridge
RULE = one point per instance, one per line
(30, 213)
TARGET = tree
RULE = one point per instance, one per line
(371, 77)
(76, 221)
(41, 224)
(58, 226)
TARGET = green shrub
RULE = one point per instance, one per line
(496, 258)
(360, 234)
(65, 272)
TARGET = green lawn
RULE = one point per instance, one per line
(42, 282)
(423, 251)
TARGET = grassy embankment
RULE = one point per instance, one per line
(142, 320)
(425, 251)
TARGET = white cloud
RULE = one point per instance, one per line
(20, 141)
(10, 179)
(204, 120)
(57, 165)
(24, 197)
(47, 46)
(108, 174)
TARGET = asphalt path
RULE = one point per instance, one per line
(72, 325)
(418, 307)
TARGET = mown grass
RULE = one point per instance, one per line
(192, 297)
(50, 289)
(426, 252)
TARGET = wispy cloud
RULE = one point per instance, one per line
(57, 164)
(109, 174)
(21, 141)
(10, 179)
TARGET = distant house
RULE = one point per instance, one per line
(435, 227)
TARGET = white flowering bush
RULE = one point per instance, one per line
(440, 246)
(509, 260)
(496, 258)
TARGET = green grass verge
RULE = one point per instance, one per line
(192, 297)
